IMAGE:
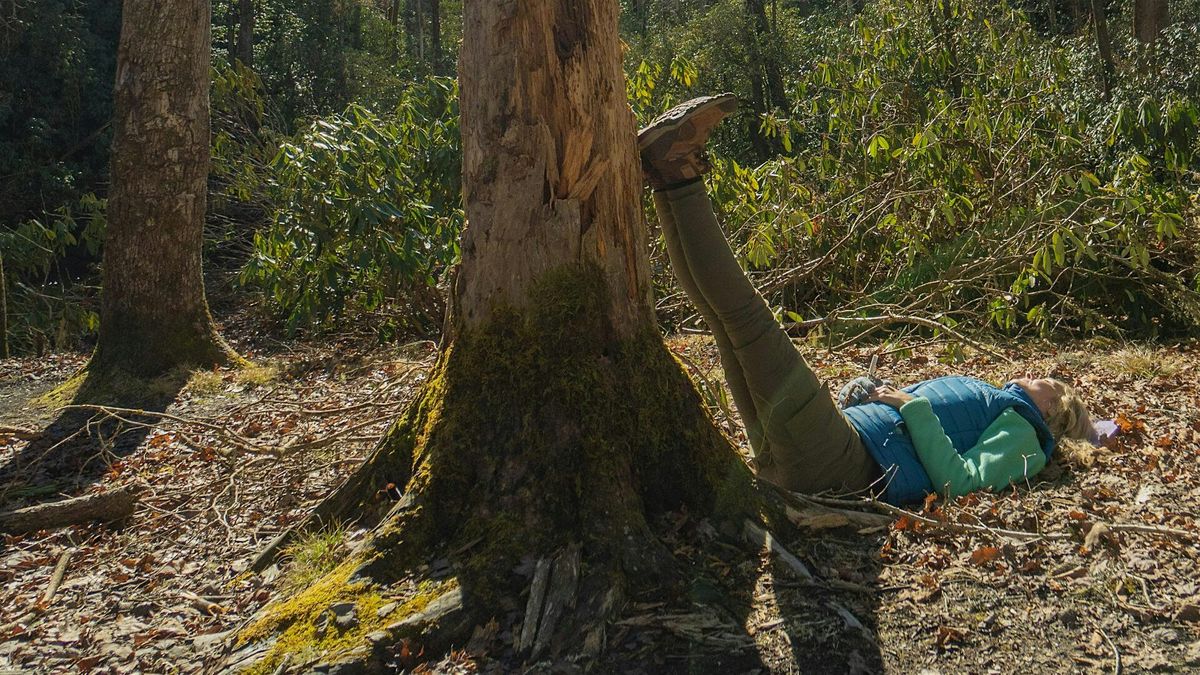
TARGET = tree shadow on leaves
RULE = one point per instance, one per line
(739, 613)
(103, 416)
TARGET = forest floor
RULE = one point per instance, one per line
(1090, 569)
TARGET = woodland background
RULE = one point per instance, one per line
(909, 164)
(933, 178)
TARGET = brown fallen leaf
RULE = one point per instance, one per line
(984, 555)
(949, 636)
(1189, 612)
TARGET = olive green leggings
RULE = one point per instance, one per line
(799, 438)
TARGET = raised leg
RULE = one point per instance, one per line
(729, 361)
(810, 445)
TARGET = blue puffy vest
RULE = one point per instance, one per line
(965, 406)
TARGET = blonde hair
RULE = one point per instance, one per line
(1071, 426)
(1070, 418)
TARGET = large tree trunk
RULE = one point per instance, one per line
(1149, 18)
(555, 423)
(153, 313)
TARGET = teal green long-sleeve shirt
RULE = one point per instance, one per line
(1008, 451)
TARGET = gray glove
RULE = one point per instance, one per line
(857, 390)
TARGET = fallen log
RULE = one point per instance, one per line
(104, 506)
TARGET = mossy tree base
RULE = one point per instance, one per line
(542, 434)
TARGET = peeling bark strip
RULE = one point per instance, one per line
(536, 173)
(153, 314)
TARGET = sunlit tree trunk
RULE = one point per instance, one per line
(154, 315)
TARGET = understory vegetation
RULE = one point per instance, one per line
(907, 165)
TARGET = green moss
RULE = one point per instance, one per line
(63, 394)
(425, 592)
(205, 382)
(548, 426)
(115, 387)
(296, 621)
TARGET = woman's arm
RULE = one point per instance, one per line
(1007, 451)
(946, 468)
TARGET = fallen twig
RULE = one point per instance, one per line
(876, 321)
(1116, 653)
(760, 537)
(232, 437)
(56, 579)
(877, 505)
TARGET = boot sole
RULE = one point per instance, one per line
(679, 115)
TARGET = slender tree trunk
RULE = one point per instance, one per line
(412, 28)
(245, 40)
(766, 79)
(555, 423)
(1149, 18)
(153, 312)
(435, 34)
(419, 5)
(231, 30)
(3, 312)
(1108, 68)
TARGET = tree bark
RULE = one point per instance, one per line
(245, 36)
(1108, 68)
(3, 312)
(105, 506)
(1149, 18)
(766, 78)
(154, 315)
(435, 34)
(555, 423)
(550, 171)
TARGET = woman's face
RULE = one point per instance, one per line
(1046, 393)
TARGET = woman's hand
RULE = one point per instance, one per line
(890, 395)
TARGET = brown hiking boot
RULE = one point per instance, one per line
(672, 147)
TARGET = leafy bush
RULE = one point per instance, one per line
(960, 168)
(366, 214)
(43, 262)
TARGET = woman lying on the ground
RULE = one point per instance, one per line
(949, 435)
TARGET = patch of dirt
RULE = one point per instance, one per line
(1050, 577)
